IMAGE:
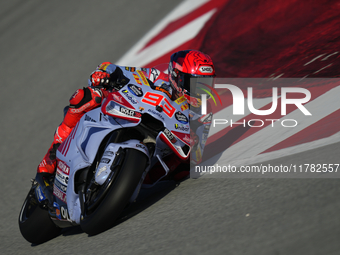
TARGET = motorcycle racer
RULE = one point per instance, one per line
(182, 66)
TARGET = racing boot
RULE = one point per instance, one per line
(44, 176)
(48, 164)
(45, 187)
(47, 167)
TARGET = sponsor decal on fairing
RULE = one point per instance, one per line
(63, 167)
(180, 117)
(164, 91)
(60, 186)
(61, 177)
(137, 91)
(169, 135)
(137, 79)
(88, 118)
(129, 112)
(145, 81)
(182, 127)
(59, 194)
(129, 97)
(156, 113)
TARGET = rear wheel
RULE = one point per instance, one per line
(116, 196)
(35, 223)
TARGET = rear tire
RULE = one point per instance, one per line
(118, 195)
(35, 223)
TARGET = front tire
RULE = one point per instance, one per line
(35, 223)
(118, 195)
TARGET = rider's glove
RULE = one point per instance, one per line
(100, 78)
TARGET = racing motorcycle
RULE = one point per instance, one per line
(103, 162)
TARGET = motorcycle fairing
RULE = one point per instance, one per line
(79, 150)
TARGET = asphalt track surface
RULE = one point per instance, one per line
(48, 49)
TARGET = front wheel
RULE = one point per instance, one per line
(117, 196)
(35, 223)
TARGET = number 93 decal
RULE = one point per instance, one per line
(155, 99)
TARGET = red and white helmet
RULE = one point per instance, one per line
(185, 65)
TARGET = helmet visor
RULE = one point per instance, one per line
(193, 84)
